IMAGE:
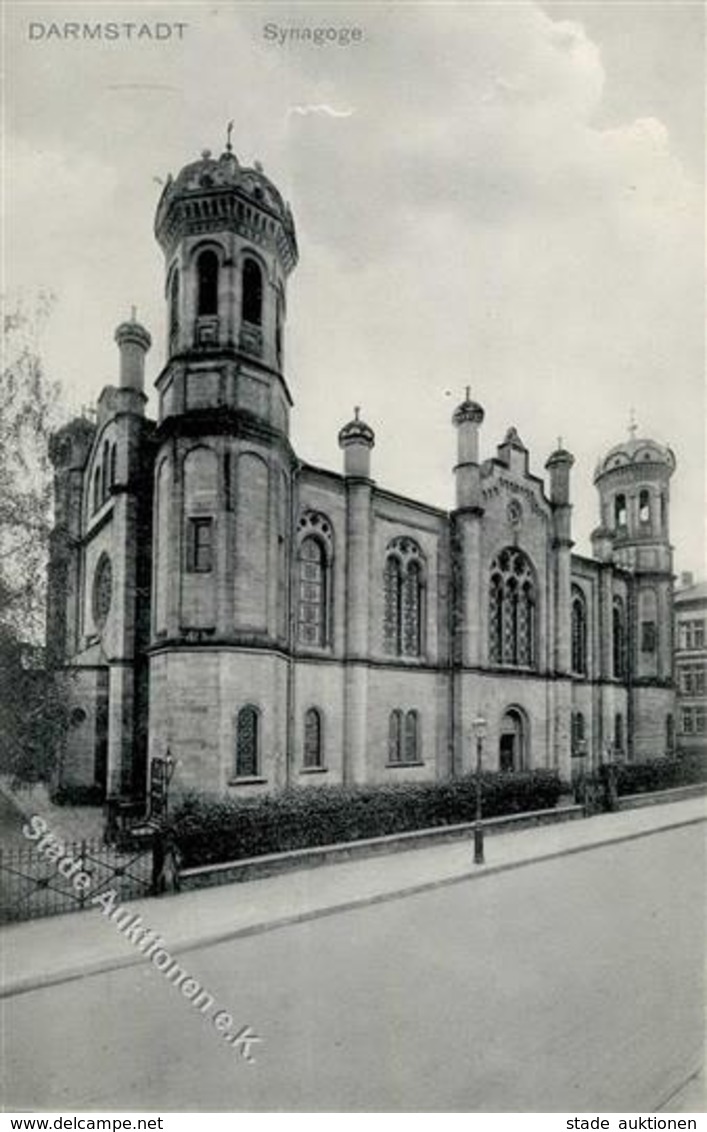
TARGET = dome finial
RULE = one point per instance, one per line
(632, 426)
(133, 313)
(229, 131)
(357, 412)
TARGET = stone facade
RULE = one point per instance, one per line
(691, 664)
(270, 623)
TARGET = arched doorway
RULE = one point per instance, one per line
(513, 741)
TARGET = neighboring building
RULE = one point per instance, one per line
(270, 622)
(691, 663)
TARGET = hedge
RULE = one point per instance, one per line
(77, 794)
(661, 774)
(211, 829)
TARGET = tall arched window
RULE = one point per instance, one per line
(395, 737)
(312, 592)
(247, 742)
(312, 739)
(579, 632)
(619, 638)
(252, 294)
(174, 303)
(618, 732)
(315, 553)
(669, 734)
(403, 599)
(97, 488)
(392, 612)
(578, 733)
(113, 459)
(207, 269)
(105, 477)
(644, 507)
(620, 510)
(411, 750)
(512, 610)
(279, 320)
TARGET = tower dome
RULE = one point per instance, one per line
(633, 480)
(211, 193)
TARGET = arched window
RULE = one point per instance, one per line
(97, 488)
(207, 283)
(579, 632)
(620, 511)
(411, 750)
(252, 295)
(496, 619)
(279, 319)
(105, 475)
(619, 638)
(174, 303)
(113, 458)
(247, 742)
(618, 732)
(393, 586)
(395, 737)
(312, 739)
(312, 592)
(578, 733)
(669, 734)
(644, 507)
(403, 599)
(512, 610)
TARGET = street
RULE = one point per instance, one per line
(574, 984)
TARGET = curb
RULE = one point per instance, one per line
(101, 966)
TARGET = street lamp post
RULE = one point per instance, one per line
(479, 728)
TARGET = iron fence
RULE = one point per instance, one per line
(31, 885)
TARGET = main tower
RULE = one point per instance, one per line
(223, 463)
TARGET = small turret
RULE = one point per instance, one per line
(559, 465)
(357, 439)
(467, 419)
(133, 342)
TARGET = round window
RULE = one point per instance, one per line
(102, 590)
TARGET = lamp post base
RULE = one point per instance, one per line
(478, 845)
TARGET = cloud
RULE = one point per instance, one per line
(322, 108)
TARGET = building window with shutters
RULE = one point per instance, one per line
(248, 742)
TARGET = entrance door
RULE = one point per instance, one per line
(507, 753)
(511, 751)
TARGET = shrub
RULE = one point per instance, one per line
(209, 829)
(661, 774)
(77, 794)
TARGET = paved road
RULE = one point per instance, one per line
(576, 984)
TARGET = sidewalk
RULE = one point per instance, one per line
(59, 948)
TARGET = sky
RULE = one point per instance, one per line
(505, 196)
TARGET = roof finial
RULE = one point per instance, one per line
(229, 131)
(468, 393)
(559, 442)
(357, 412)
(133, 314)
(632, 426)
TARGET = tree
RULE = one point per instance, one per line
(33, 704)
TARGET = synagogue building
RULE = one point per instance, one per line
(266, 622)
